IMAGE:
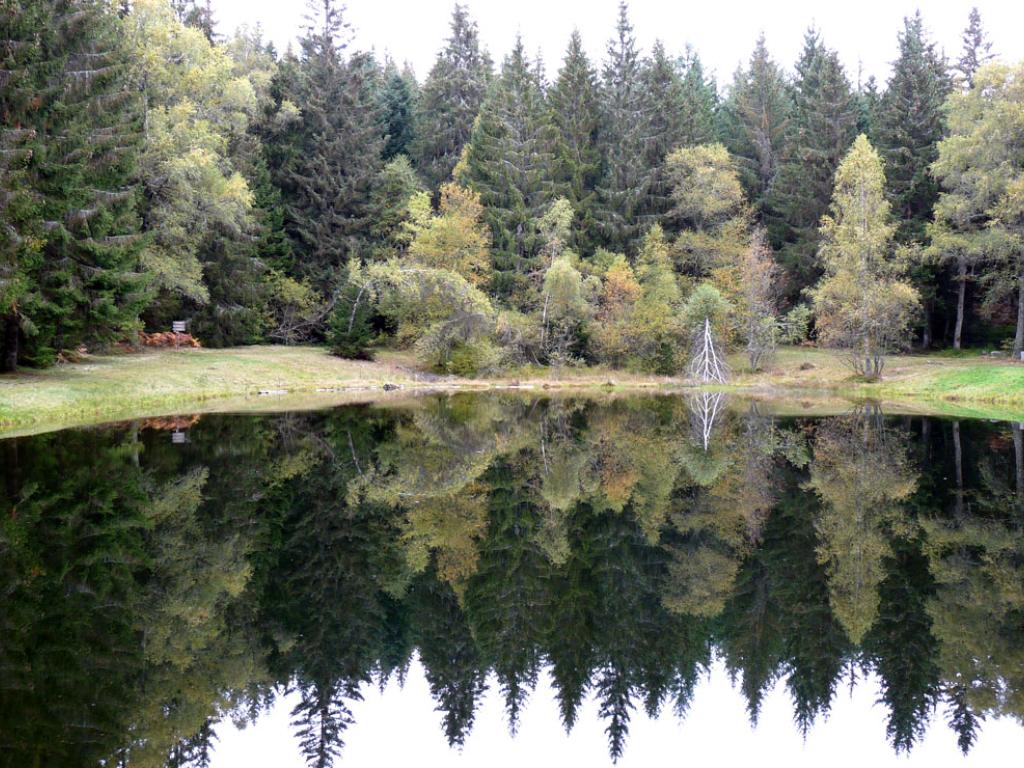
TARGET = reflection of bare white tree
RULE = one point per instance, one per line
(707, 364)
(705, 408)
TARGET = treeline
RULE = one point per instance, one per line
(492, 216)
(151, 590)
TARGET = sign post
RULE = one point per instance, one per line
(178, 326)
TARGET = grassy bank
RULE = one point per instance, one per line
(252, 378)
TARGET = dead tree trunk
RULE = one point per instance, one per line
(707, 364)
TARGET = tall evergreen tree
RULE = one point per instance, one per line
(451, 98)
(754, 124)
(328, 180)
(575, 116)
(509, 165)
(977, 50)
(700, 101)
(666, 129)
(626, 178)
(398, 100)
(822, 127)
(79, 276)
(909, 127)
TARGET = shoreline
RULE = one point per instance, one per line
(161, 383)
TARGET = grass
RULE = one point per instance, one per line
(163, 382)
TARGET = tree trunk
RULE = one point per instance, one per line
(959, 460)
(1018, 340)
(961, 274)
(1018, 454)
(926, 332)
(10, 330)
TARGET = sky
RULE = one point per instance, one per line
(723, 32)
(399, 727)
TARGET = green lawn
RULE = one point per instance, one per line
(155, 383)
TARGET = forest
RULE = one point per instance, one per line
(493, 215)
(152, 591)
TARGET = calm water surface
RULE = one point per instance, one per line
(497, 580)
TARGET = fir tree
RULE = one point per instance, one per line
(451, 98)
(755, 121)
(626, 180)
(328, 179)
(509, 165)
(822, 127)
(575, 116)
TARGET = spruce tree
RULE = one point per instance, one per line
(451, 98)
(699, 102)
(666, 129)
(575, 117)
(509, 164)
(328, 179)
(20, 220)
(754, 124)
(398, 100)
(83, 128)
(910, 125)
(626, 178)
(822, 127)
(977, 51)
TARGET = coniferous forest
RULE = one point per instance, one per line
(488, 214)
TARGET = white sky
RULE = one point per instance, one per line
(399, 727)
(722, 31)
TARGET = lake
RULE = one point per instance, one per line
(497, 579)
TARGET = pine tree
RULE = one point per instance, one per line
(509, 165)
(84, 133)
(451, 98)
(700, 102)
(328, 180)
(977, 51)
(822, 127)
(626, 180)
(575, 117)
(755, 122)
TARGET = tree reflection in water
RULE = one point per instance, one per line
(150, 590)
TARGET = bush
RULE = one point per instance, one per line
(474, 358)
(350, 335)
